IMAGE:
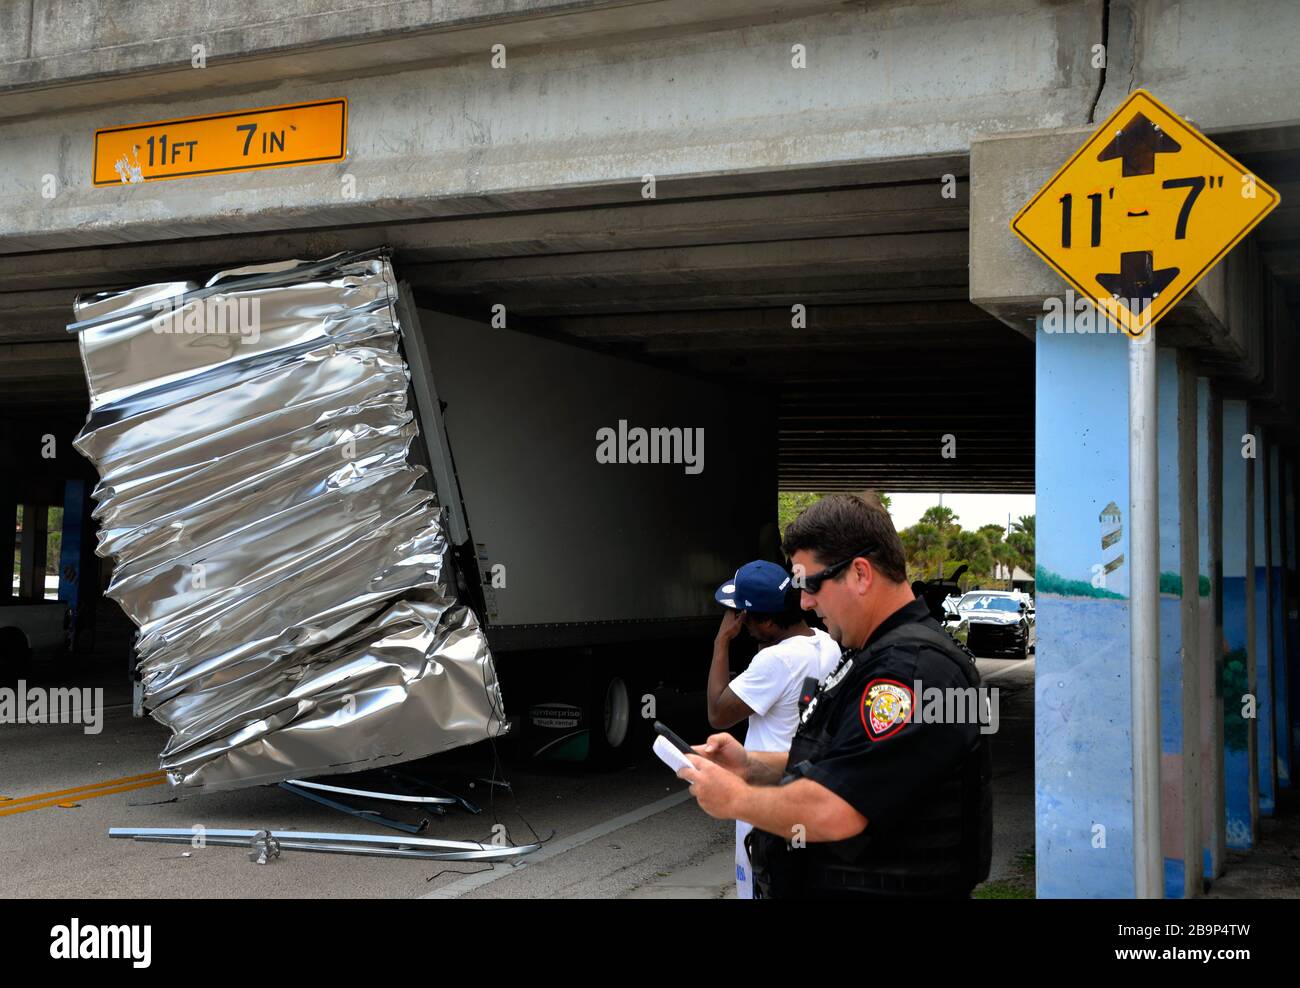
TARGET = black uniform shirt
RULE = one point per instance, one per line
(877, 755)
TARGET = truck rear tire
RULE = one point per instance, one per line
(617, 732)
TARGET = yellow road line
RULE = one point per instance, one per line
(90, 795)
(156, 776)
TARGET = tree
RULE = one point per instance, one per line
(938, 542)
(944, 519)
(790, 504)
(973, 549)
(946, 522)
(1021, 540)
(1005, 555)
(924, 546)
(997, 553)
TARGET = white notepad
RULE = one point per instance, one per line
(669, 755)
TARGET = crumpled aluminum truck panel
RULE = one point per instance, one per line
(272, 539)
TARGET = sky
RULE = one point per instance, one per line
(973, 510)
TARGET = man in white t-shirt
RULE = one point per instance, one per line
(761, 600)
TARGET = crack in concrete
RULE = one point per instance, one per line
(1105, 60)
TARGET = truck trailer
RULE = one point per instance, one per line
(412, 529)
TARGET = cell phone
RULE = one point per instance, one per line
(666, 732)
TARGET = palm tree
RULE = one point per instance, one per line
(942, 518)
(1006, 554)
(973, 549)
(924, 545)
(790, 504)
(1022, 540)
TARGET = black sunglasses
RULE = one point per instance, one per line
(813, 582)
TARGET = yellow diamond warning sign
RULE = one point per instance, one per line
(1141, 212)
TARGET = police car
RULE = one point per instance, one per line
(995, 621)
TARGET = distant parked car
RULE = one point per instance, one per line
(995, 621)
(28, 626)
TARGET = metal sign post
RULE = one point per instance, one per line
(1144, 615)
(1133, 221)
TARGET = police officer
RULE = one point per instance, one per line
(872, 799)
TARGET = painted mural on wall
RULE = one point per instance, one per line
(1238, 790)
(1083, 727)
(1265, 751)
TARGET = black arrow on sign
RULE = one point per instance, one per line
(1137, 283)
(1138, 144)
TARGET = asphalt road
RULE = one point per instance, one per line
(627, 833)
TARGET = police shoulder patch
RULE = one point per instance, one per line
(886, 708)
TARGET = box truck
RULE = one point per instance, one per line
(353, 530)
(596, 503)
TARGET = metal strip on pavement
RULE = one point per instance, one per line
(471, 883)
(1004, 670)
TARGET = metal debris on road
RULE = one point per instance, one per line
(370, 816)
(373, 845)
(263, 847)
(371, 794)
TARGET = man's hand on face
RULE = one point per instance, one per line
(726, 752)
(731, 625)
(717, 790)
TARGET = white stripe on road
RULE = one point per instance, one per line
(1004, 670)
(470, 883)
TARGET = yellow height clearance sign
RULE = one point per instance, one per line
(244, 140)
(1141, 212)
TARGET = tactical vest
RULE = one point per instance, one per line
(942, 850)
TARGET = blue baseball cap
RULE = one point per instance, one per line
(757, 586)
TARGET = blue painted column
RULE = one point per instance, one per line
(77, 574)
(1277, 620)
(1180, 660)
(1265, 750)
(1083, 754)
(74, 496)
(1240, 778)
(1209, 496)
(1291, 590)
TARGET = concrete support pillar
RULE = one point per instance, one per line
(1180, 589)
(1083, 749)
(8, 542)
(1277, 620)
(31, 570)
(1291, 599)
(1266, 749)
(1241, 806)
(1209, 489)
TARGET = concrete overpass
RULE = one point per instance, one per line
(860, 160)
(775, 186)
